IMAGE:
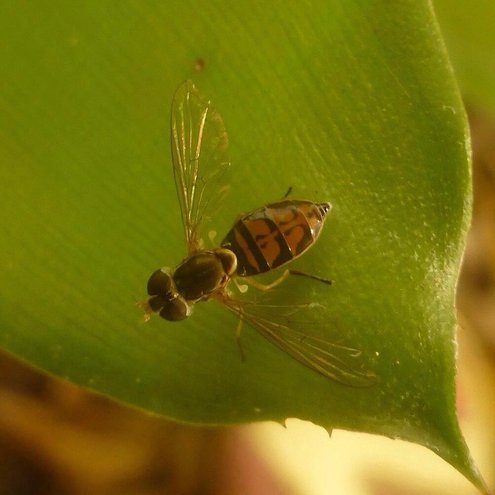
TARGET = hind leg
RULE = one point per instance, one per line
(284, 276)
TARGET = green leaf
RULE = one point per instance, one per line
(346, 101)
(468, 31)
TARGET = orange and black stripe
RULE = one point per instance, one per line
(275, 234)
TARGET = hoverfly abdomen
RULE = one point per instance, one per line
(275, 234)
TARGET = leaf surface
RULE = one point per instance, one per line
(346, 101)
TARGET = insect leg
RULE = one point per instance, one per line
(238, 338)
(261, 286)
(287, 193)
(309, 275)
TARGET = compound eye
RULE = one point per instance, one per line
(156, 303)
(159, 283)
(175, 310)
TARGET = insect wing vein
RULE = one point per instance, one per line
(200, 161)
(331, 359)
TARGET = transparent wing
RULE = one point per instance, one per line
(293, 328)
(200, 160)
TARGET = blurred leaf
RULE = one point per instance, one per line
(468, 31)
(348, 102)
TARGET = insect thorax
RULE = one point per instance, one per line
(204, 272)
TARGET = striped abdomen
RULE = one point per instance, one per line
(275, 234)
